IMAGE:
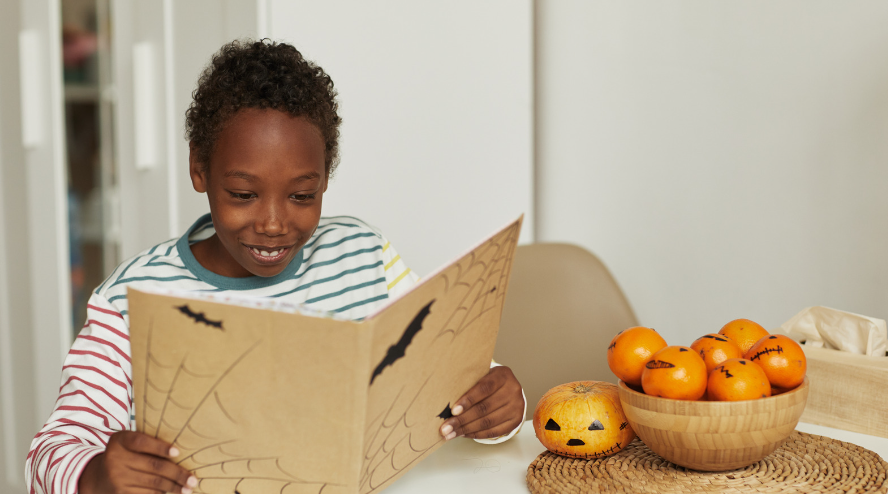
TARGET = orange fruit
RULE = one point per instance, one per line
(738, 379)
(675, 372)
(744, 333)
(781, 358)
(715, 349)
(630, 349)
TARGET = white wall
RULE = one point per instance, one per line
(436, 99)
(220, 23)
(725, 159)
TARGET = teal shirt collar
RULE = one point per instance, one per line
(224, 282)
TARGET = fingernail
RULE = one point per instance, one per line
(446, 429)
(192, 481)
(456, 410)
(174, 452)
(187, 490)
(450, 436)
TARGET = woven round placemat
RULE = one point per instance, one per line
(804, 463)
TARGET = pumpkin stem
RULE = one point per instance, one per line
(582, 388)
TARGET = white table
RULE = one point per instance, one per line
(464, 466)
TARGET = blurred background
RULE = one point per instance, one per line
(724, 159)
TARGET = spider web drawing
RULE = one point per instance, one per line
(473, 287)
(482, 279)
(388, 433)
(215, 454)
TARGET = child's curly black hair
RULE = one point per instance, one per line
(261, 74)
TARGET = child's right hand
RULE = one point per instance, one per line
(134, 462)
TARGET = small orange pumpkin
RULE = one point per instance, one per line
(582, 419)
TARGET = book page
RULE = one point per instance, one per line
(257, 401)
(428, 348)
(262, 397)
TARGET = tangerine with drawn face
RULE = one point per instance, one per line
(744, 333)
(738, 379)
(715, 349)
(675, 372)
(782, 359)
(630, 349)
(582, 419)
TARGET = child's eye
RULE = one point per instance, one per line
(242, 196)
(302, 197)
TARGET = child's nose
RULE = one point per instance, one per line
(272, 222)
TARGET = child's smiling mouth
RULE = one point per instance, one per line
(268, 255)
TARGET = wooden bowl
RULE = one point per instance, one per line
(713, 436)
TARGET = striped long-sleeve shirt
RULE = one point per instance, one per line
(346, 267)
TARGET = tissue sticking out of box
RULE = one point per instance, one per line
(839, 330)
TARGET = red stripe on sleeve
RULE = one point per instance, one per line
(38, 460)
(42, 451)
(39, 447)
(106, 311)
(80, 392)
(39, 481)
(60, 458)
(103, 357)
(109, 328)
(74, 461)
(97, 371)
(94, 386)
(87, 410)
(104, 342)
(92, 431)
(39, 450)
(63, 457)
(71, 439)
(49, 454)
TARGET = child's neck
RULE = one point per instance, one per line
(214, 257)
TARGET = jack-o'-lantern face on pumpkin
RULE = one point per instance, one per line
(582, 419)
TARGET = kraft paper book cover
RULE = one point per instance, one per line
(263, 397)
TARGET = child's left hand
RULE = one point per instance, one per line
(492, 408)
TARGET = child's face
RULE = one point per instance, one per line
(265, 182)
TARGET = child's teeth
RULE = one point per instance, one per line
(265, 253)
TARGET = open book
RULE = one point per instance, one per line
(263, 397)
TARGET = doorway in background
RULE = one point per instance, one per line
(89, 98)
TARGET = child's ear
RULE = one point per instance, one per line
(196, 169)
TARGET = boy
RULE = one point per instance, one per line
(263, 133)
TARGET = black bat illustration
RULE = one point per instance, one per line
(199, 317)
(446, 413)
(397, 350)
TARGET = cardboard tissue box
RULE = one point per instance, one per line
(847, 369)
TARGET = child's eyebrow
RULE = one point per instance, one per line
(307, 177)
(253, 178)
(242, 175)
